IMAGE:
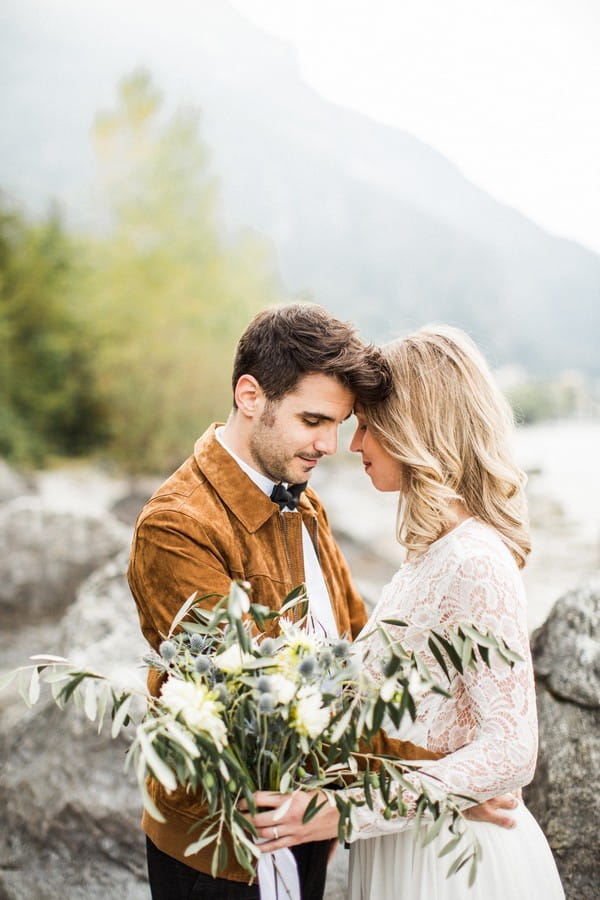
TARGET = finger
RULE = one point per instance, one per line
(503, 821)
(269, 798)
(272, 846)
(487, 813)
(505, 801)
(264, 820)
(271, 833)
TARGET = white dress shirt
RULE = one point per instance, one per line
(320, 618)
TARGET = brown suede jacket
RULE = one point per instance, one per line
(206, 525)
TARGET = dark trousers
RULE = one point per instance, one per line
(173, 880)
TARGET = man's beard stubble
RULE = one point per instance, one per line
(266, 448)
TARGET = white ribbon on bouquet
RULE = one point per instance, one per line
(278, 876)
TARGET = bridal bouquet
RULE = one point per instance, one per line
(239, 712)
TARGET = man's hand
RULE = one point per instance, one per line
(492, 811)
(281, 824)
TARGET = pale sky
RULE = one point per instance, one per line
(509, 90)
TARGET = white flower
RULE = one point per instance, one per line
(282, 688)
(197, 706)
(417, 686)
(232, 660)
(388, 689)
(309, 716)
(299, 639)
(238, 601)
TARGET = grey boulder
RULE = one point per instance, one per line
(565, 793)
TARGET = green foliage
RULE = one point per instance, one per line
(126, 341)
(539, 399)
(170, 295)
(48, 402)
(286, 713)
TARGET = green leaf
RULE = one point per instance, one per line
(102, 704)
(473, 872)
(313, 808)
(203, 841)
(34, 687)
(507, 654)
(285, 782)
(433, 645)
(69, 689)
(459, 862)
(340, 727)
(120, 715)
(91, 701)
(478, 637)
(452, 843)
(467, 650)
(8, 678)
(297, 601)
(183, 612)
(153, 761)
(453, 648)
(434, 829)
(48, 658)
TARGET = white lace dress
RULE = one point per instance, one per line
(488, 728)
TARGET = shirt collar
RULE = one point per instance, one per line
(261, 481)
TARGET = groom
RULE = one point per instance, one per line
(226, 514)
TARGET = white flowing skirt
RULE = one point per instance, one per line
(517, 864)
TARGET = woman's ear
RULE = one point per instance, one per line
(249, 396)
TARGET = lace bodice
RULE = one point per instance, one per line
(488, 727)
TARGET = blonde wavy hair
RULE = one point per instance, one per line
(451, 428)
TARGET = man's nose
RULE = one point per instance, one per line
(326, 443)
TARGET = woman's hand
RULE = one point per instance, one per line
(281, 824)
(491, 811)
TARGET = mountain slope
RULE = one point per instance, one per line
(367, 219)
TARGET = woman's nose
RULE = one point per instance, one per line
(356, 442)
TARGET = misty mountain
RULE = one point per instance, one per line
(363, 217)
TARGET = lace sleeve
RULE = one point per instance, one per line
(489, 726)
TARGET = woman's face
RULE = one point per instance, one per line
(384, 471)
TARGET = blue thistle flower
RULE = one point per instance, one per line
(168, 650)
(307, 666)
(197, 643)
(341, 648)
(266, 703)
(202, 663)
(325, 658)
(268, 647)
(264, 684)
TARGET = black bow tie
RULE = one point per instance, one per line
(287, 496)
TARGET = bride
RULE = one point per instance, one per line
(442, 439)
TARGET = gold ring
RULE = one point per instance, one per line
(275, 833)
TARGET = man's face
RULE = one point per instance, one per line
(291, 435)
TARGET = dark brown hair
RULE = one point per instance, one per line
(282, 345)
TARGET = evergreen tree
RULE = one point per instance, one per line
(48, 403)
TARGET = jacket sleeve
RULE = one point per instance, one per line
(172, 558)
(500, 753)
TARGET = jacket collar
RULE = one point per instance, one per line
(237, 491)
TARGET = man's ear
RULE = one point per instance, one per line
(249, 396)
